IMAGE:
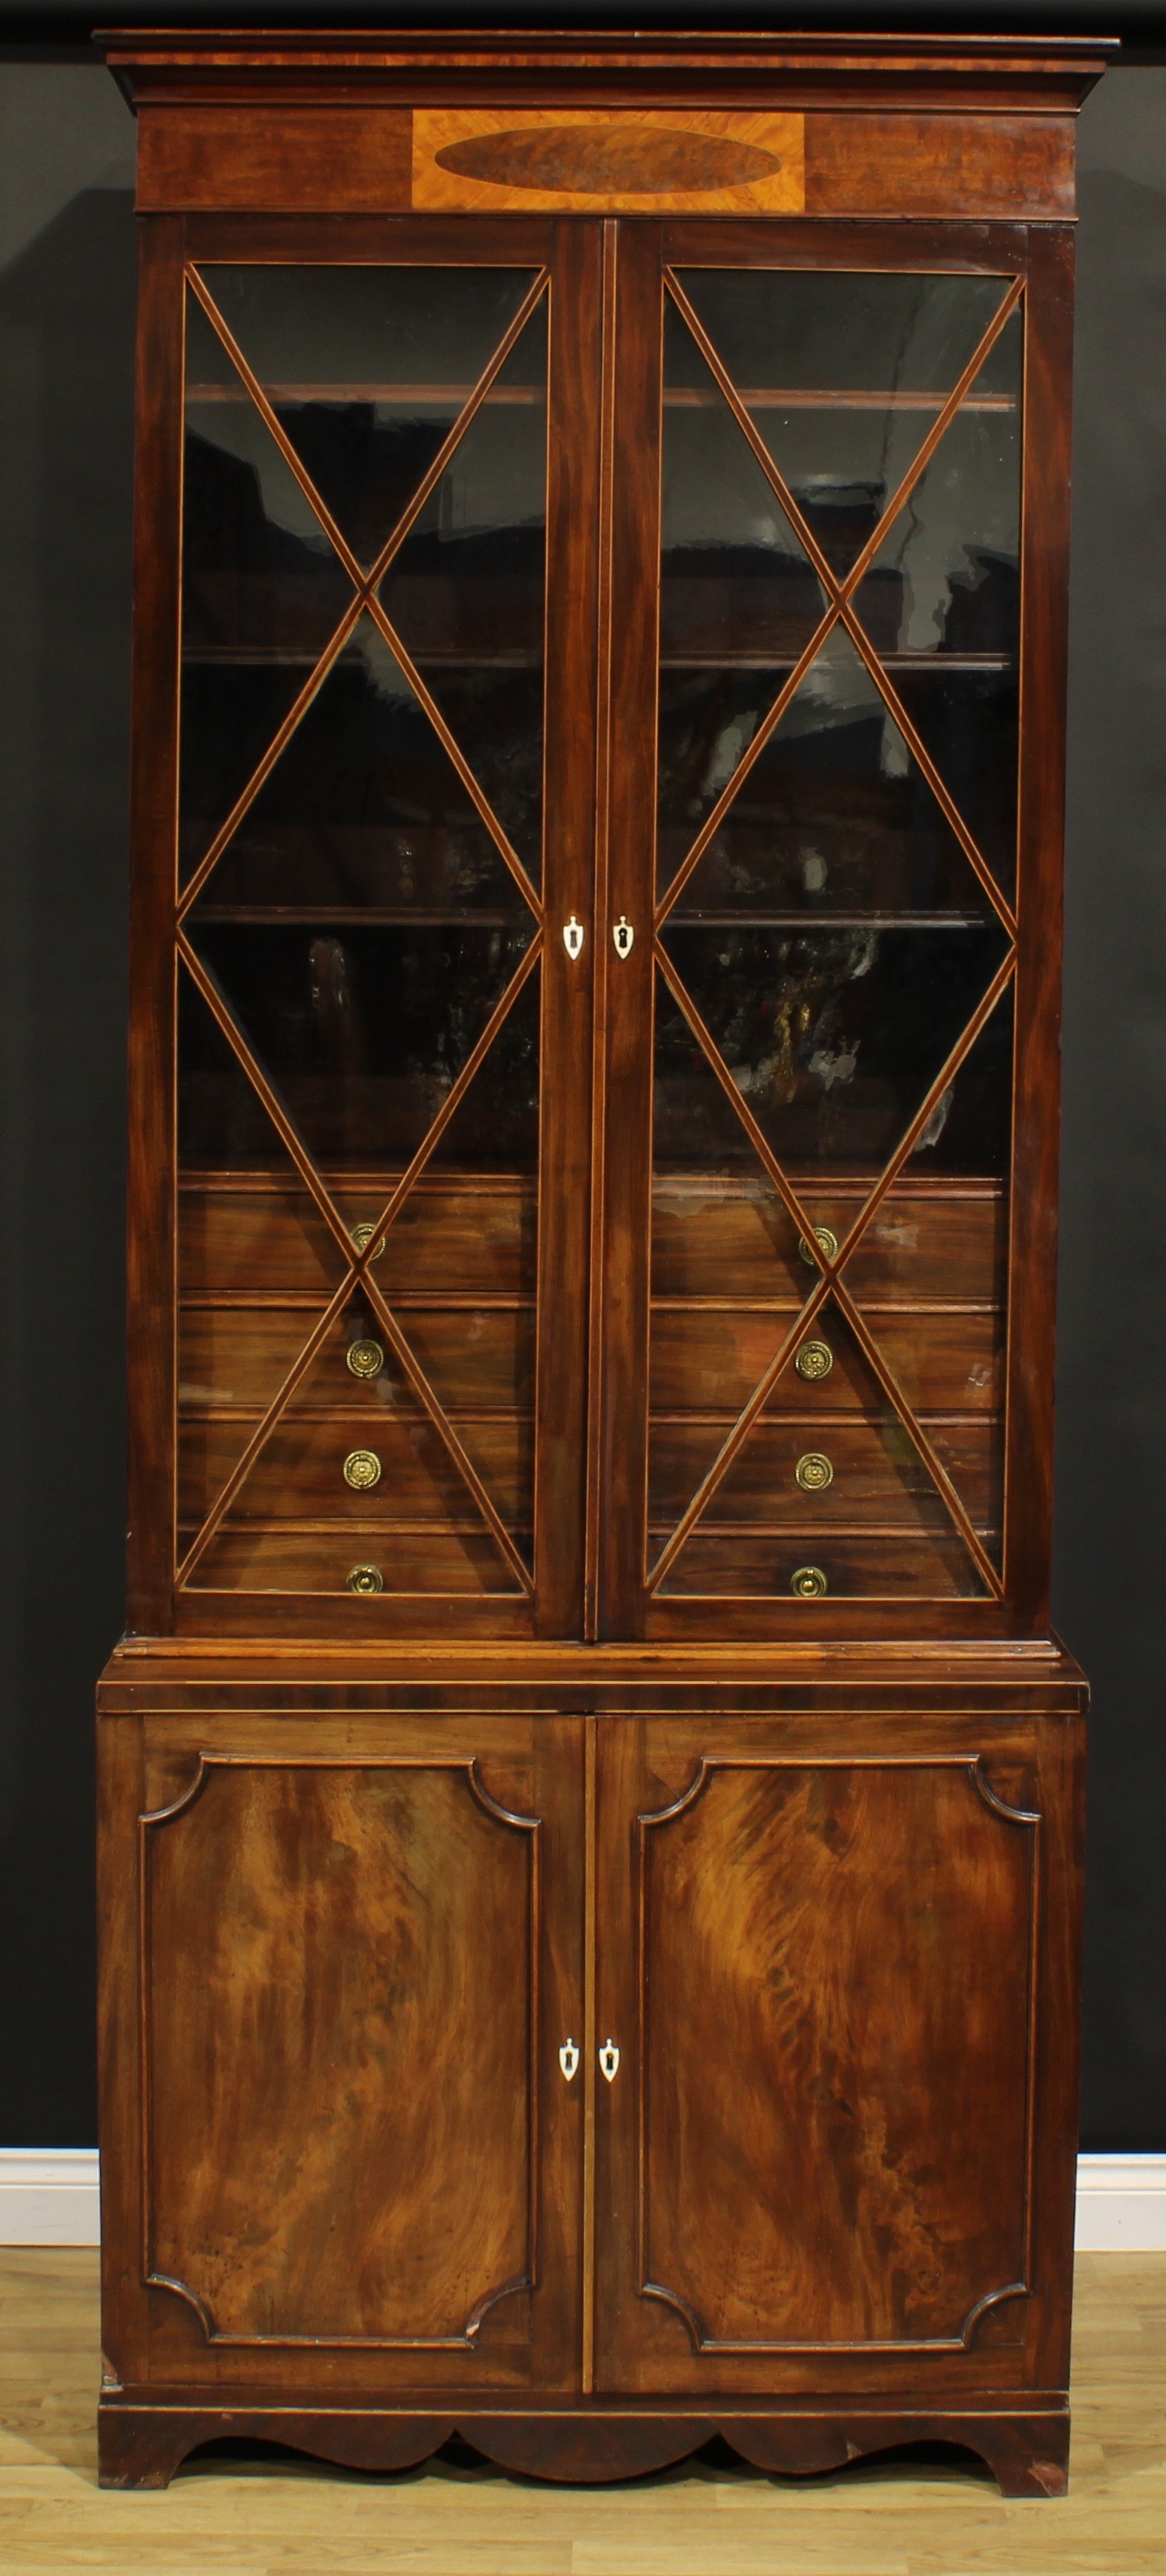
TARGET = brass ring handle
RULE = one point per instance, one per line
(808, 1583)
(362, 1470)
(825, 1235)
(814, 1472)
(814, 1361)
(360, 1236)
(364, 1579)
(365, 1358)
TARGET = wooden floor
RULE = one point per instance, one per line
(274, 2516)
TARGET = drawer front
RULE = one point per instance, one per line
(925, 1564)
(240, 1355)
(941, 1242)
(254, 1557)
(462, 1239)
(299, 1473)
(876, 1474)
(941, 1361)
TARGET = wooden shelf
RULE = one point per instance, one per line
(683, 920)
(364, 916)
(444, 397)
(305, 657)
(907, 662)
(453, 398)
(837, 398)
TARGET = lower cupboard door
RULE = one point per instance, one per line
(813, 2149)
(360, 2158)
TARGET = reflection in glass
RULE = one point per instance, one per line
(262, 592)
(364, 808)
(833, 816)
(360, 1032)
(843, 330)
(735, 579)
(366, 369)
(360, 927)
(954, 554)
(834, 1037)
(465, 592)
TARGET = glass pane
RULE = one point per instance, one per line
(466, 592)
(836, 941)
(457, 1264)
(360, 1034)
(834, 816)
(364, 811)
(942, 601)
(249, 1232)
(360, 927)
(844, 374)
(834, 1036)
(739, 599)
(262, 591)
(367, 369)
(730, 1277)
(358, 1458)
(807, 1467)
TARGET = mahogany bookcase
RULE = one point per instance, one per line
(590, 1798)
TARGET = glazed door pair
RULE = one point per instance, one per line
(596, 929)
(623, 2054)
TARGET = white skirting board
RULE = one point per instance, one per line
(48, 2196)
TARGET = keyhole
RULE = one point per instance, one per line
(609, 2059)
(623, 935)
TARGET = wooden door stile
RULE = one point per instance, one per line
(1048, 382)
(634, 652)
(567, 1133)
(599, 915)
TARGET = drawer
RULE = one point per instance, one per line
(877, 1475)
(928, 1240)
(246, 1557)
(298, 1474)
(464, 1237)
(941, 1361)
(240, 1355)
(925, 1565)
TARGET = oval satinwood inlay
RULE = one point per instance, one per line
(609, 160)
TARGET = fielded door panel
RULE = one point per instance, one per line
(384, 798)
(814, 834)
(355, 1969)
(819, 1974)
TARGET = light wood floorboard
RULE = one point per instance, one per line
(282, 2517)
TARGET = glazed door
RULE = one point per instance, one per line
(818, 1970)
(384, 799)
(819, 471)
(356, 1962)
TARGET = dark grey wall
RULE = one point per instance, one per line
(1111, 1460)
(66, 366)
(66, 295)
